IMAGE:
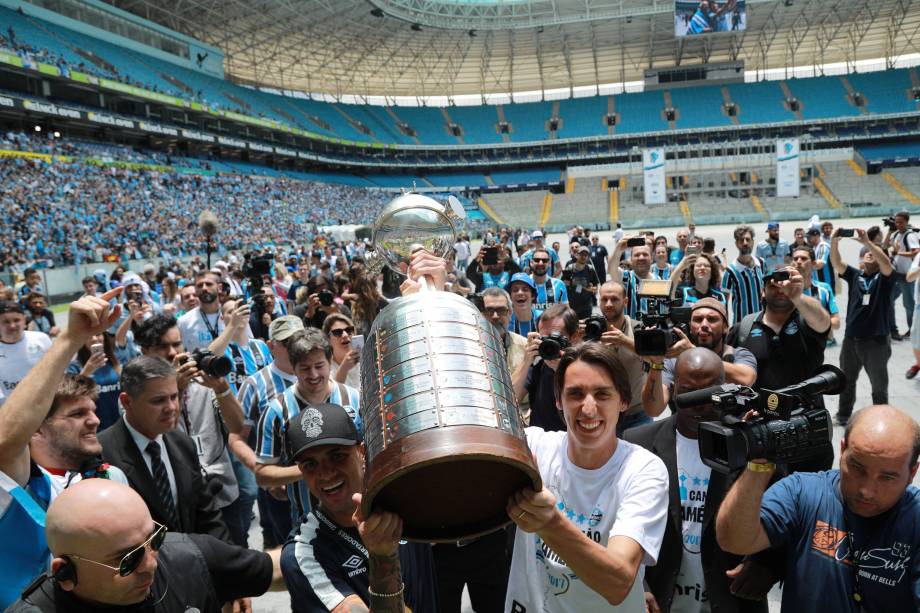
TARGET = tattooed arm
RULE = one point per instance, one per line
(380, 533)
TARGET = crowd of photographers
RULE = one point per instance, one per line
(673, 393)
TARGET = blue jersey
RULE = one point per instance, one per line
(553, 257)
(689, 295)
(270, 447)
(772, 256)
(745, 284)
(824, 295)
(661, 273)
(22, 528)
(247, 360)
(826, 274)
(500, 280)
(805, 516)
(701, 21)
(551, 291)
(259, 389)
(525, 327)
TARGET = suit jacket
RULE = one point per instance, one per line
(660, 438)
(198, 514)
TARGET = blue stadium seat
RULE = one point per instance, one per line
(822, 97)
(760, 102)
(478, 123)
(640, 112)
(885, 92)
(528, 120)
(582, 117)
(699, 107)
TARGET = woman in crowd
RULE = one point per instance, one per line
(96, 359)
(705, 277)
(661, 269)
(366, 301)
(339, 329)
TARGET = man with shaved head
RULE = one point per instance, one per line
(692, 571)
(108, 552)
(852, 535)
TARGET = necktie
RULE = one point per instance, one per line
(161, 478)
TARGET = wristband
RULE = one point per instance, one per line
(399, 592)
(756, 467)
(223, 394)
(656, 365)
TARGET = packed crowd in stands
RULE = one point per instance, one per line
(63, 212)
(190, 445)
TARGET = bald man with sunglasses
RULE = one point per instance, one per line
(107, 552)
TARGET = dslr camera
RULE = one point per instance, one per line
(255, 266)
(211, 364)
(595, 326)
(655, 333)
(552, 346)
(791, 426)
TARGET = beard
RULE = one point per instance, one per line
(777, 303)
(711, 344)
(207, 298)
(745, 250)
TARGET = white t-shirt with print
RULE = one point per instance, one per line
(628, 496)
(690, 594)
(17, 359)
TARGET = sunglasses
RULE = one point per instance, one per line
(540, 260)
(340, 331)
(500, 311)
(132, 559)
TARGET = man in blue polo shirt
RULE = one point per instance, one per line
(866, 343)
(850, 535)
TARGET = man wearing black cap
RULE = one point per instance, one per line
(581, 282)
(338, 559)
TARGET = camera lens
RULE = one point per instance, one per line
(213, 365)
(550, 349)
(325, 297)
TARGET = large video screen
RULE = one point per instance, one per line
(693, 18)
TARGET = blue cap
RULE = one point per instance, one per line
(523, 277)
(773, 225)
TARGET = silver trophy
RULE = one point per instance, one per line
(444, 440)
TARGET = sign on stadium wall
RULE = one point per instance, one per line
(157, 129)
(8, 102)
(653, 171)
(51, 109)
(196, 135)
(787, 168)
(109, 120)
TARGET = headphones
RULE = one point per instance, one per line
(66, 572)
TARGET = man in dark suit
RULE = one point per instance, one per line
(161, 463)
(692, 570)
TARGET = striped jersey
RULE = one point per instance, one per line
(634, 304)
(247, 360)
(661, 273)
(826, 274)
(745, 285)
(824, 295)
(551, 291)
(701, 22)
(258, 390)
(689, 295)
(270, 445)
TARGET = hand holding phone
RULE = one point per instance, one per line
(846, 232)
(637, 241)
(357, 343)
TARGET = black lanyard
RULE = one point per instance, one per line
(355, 544)
(211, 329)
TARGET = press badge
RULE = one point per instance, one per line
(866, 298)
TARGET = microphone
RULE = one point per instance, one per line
(703, 396)
(207, 223)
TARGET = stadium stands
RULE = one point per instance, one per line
(36, 40)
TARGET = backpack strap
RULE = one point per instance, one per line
(744, 328)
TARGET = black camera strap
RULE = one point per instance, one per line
(212, 329)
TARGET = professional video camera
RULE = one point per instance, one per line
(255, 266)
(656, 331)
(790, 426)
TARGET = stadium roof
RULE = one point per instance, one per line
(454, 47)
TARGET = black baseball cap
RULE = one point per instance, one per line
(9, 306)
(320, 424)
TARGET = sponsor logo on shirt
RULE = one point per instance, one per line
(884, 565)
(355, 564)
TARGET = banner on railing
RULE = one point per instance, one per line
(653, 170)
(787, 168)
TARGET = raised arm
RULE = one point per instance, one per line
(28, 404)
(815, 316)
(738, 527)
(613, 262)
(836, 261)
(884, 263)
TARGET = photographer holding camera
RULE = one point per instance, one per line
(581, 282)
(617, 332)
(557, 330)
(709, 329)
(902, 243)
(866, 340)
(788, 335)
(851, 533)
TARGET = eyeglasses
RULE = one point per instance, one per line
(132, 559)
(340, 331)
(500, 311)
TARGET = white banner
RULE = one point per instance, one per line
(653, 171)
(787, 168)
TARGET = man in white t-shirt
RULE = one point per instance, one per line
(203, 324)
(20, 349)
(582, 541)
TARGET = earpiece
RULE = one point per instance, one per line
(66, 572)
